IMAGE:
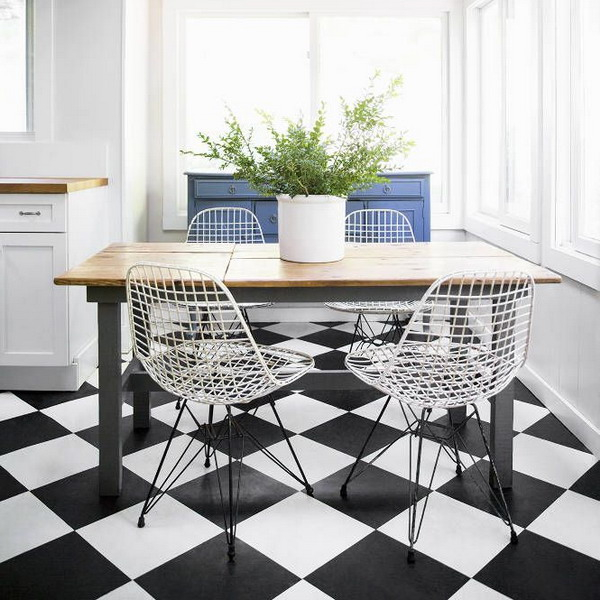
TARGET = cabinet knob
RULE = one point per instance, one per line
(24, 213)
(231, 189)
(387, 189)
(273, 218)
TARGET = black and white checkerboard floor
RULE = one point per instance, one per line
(59, 540)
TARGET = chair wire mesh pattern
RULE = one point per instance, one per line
(464, 343)
(227, 225)
(377, 226)
(189, 334)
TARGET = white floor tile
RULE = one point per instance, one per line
(393, 416)
(525, 414)
(318, 461)
(145, 462)
(301, 533)
(573, 521)
(79, 414)
(93, 379)
(377, 326)
(26, 523)
(456, 534)
(299, 413)
(44, 463)
(303, 346)
(167, 414)
(11, 406)
(171, 529)
(395, 460)
(303, 591)
(295, 330)
(548, 461)
(473, 590)
(129, 591)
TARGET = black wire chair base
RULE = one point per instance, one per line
(448, 438)
(364, 334)
(227, 431)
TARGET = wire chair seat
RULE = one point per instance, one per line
(427, 375)
(376, 307)
(225, 372)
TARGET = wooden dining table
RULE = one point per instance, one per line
(255, 273)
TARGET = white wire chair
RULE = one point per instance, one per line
(377, 226)
(203, 360)
(463, 344)
(228, 225)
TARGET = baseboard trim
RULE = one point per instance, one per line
(571, 418)
(47, 379)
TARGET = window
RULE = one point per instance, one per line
(290, 64)
(505, 79)
(14, 66)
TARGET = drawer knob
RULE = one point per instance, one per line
(231, 189)
(387, 189)
(273, 218)
(25, 213)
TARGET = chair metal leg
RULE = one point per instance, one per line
(141, 520)
(211, 410)
(414, 491)
(455, 444)
(309, 489)
(344, 488)
(513, 535)
(230, 533)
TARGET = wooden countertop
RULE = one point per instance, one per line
(49, 185)
(417, 264)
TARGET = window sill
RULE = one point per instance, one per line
(573, 264)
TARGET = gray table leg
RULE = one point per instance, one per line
(141, 410)
(501, 436)
(110, 398)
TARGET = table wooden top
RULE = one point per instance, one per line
(49, 185)
(418, 264)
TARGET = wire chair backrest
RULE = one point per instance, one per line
(469, 334)
(225, 224)
(189, 334)
(378, 226)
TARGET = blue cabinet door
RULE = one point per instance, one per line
(412, 210)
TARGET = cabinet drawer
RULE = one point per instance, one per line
(403, 187)
(207, 188)
(32, 213)
(266, 212)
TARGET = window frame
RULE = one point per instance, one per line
(174, 215)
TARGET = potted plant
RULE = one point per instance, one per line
(312, 173)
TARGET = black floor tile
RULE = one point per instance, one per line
(551, 429)
(134, 439)
(204, 572)
(66, 568)
(156, 398)
(347, 433)
(42, 400)
(27, 430)
(540, 569)
(333, 361)
(75, 499)
(589, 483)
(331, 323)
(268, 338)
(527, 499)
(375, 497)
(332, 338)
(9, 486)
(257, 492)
(266, 433)
(376, 568)
(524, 394)
(345, 399)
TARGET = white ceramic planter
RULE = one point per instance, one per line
(311, 228)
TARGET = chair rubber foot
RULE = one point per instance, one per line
(344, 491)
(310, 490)
(410, 557)
(231, 553)
(513, 538)
(458, 470)
(141, 522)
(178, 405)
(207, 463)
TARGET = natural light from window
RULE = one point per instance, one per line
(13, 66)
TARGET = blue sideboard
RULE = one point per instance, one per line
(407, 192)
